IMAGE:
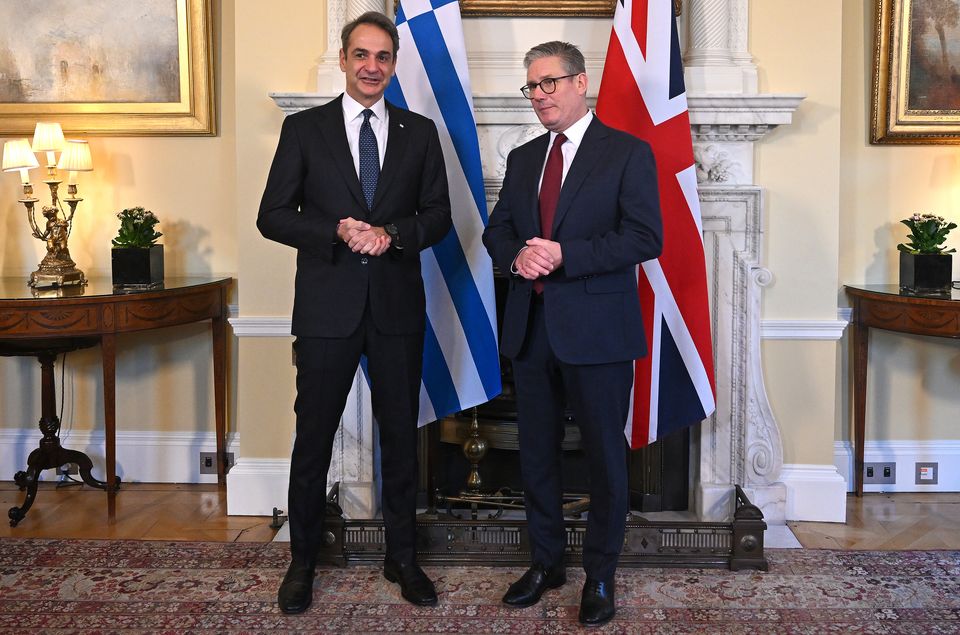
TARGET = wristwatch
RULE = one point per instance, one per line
(394, 235)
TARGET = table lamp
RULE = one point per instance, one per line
(57, 268)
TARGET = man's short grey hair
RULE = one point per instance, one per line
(374, 18)
(569, 54)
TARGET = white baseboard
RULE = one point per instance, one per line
(256, 486)
(815, 493)
(906, 454)
(142, 457)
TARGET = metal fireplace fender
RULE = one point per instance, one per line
(443, 539)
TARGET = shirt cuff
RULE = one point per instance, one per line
(513, 265)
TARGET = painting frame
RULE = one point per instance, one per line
(537, 8)
(193, 115)
(896, 113)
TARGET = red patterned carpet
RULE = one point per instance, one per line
(70, 586)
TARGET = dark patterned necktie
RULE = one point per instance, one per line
(550, 193)
(369, 159)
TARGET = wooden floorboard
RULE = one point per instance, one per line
(889, 521)
(162, 511)
(145, 511)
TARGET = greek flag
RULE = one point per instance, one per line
(461, 366)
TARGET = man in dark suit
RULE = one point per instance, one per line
(577, 212)
(358, 232)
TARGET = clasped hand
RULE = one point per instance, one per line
(540, 258)
(362, 238)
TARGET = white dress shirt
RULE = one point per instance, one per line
(353, 119)
(569, 148)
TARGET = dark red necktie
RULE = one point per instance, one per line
(550, 193)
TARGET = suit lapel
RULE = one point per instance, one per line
(538, 152)
(588, 155)
(334, 134)
(396, 147)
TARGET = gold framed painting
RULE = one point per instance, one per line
(110, 67)
(537, 8)
(916, 72)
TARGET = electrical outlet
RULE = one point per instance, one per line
(879, 473)
(208, 462)
(927, 473)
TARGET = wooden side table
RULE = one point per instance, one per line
(48, 321)
(886, 307)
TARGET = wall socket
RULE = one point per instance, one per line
(208, 462)
(879, 473)
(927, 473)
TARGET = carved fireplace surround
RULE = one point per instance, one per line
(740, 443)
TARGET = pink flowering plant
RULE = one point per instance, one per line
(927, 234)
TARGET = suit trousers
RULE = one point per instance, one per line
(599, 395)
(325, 371)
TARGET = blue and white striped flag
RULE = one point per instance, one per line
(461, 366)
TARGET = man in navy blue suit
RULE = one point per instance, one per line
(578, 211)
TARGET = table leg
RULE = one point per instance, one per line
(218, 327)
(50, 454)
(109, 349)
(861, 338)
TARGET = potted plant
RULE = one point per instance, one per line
(136, 259)
(924, 263)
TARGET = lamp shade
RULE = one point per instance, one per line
(17, 155)
(76, 157)
(47, 137)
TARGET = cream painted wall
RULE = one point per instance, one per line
(913, 382)
(280, 53)
(798, 167)
(164, 378)
(802, 399)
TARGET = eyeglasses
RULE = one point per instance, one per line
(548, 85)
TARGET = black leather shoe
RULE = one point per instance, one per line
(296, 590)
(597, 603)
(415, 586)
(527, 590)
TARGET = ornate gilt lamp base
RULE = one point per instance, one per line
(57, 269)
(57, 272)
(40, 280)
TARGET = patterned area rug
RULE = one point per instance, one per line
(70, 586)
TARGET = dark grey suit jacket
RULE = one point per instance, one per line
(313, 184)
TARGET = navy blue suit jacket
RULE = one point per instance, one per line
(607, 221)
(313, 184)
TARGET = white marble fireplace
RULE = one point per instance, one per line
(740, 443)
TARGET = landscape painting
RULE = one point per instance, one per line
(916, 72)
(83, 52)
(125, 67)
(934, 80)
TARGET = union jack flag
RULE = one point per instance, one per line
(642, 93)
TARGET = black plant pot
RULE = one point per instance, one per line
(137, 267)
(925, 272)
